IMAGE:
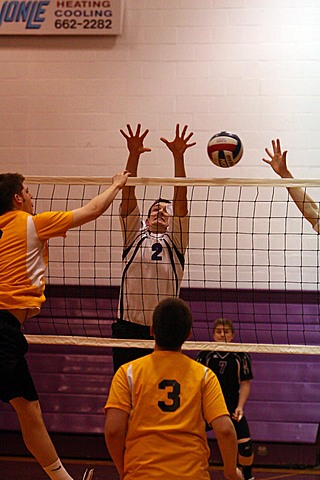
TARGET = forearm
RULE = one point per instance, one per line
(115, 432)
(116, 449)
(129, 200)
(304, 202)
(228, 447)
(115, 438)
(244, 393)
(95, 207)
(180, 206)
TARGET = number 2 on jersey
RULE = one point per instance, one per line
(157, 249)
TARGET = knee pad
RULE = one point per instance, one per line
(245, 449)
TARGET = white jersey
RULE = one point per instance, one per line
(153, 266)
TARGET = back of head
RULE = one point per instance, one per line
(172, 322)
(10, 184)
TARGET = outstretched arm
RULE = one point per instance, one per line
(178, 146)
(278, 162)
(136, 148)
(99, 204)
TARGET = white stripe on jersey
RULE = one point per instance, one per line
(35, 263)
(130, 383)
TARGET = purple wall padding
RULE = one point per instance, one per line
(73, 382)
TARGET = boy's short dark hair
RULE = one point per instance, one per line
(225, 322)
(10, 184)
(172, 323)
(159, 200)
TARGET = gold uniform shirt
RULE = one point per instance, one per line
(168, 398)
(24, 255)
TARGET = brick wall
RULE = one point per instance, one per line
(251, 67)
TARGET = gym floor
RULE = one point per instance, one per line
(21, 468)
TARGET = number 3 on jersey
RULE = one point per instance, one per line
(173, 394)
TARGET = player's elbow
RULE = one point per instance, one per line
(111, 430)
(223, 427)
(116, 424)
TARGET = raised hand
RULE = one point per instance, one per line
(278, 160)
(135, 140)
(180, 143)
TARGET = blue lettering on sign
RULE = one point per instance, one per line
(31, 13)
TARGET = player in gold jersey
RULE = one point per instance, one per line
(23, 261)
(158, 406)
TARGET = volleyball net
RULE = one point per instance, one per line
(251, 258)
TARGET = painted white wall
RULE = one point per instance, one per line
(248, 66)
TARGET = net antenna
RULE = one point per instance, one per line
(252, 258)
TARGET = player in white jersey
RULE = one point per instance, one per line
(278, 162)
(23, 260)
(153, 250)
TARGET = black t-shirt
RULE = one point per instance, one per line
(231, 368)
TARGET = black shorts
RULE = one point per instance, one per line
(125, 329)
(242, 428)
(16, 380)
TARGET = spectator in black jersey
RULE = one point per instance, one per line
(153, 248)
(234, 372)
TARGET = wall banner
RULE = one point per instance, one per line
(61, 17)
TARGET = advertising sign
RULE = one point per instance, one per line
(61, 17)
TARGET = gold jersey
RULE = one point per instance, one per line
(24, 255)
(168, 399)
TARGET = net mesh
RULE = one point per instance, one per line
(252, 258)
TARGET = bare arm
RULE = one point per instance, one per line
(115, 431)
(99, 204)
(244, 393)
(228, 446)
(178, 146)
(136, 148)
(305, 204)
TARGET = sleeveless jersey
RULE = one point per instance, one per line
(153, 266)
(168, 397)
(24, 255)
(231, 368)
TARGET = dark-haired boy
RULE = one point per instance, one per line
(158, 405)
(23, 261)
(153, 250)
(234, 373)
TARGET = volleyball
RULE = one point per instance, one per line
(225, 149)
